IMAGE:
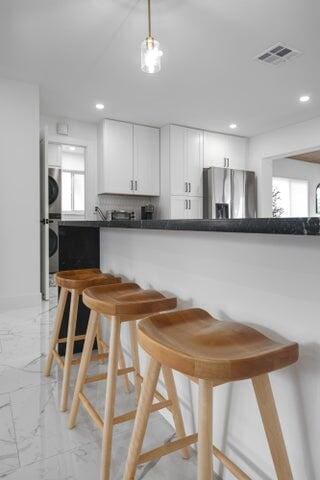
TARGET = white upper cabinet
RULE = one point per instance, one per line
(128, 159)
(186, 161)
(224, 150)
(215, 147)
(194, 159)
(146, 165)
(178, 165)
(116, 158)
(186, 207)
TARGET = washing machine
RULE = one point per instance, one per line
(54, 191)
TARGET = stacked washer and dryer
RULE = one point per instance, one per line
(55, 208)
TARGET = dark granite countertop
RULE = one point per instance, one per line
(282, 226)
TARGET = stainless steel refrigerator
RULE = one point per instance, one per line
(229, 193)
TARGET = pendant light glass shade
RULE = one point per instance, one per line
(150, 55)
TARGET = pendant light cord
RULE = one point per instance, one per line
(149, 17)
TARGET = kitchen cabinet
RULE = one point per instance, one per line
(186, 207)
(186, 161)
(146, 161)
(224, 150)
(128, 159)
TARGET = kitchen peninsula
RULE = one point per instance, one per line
(268, 280)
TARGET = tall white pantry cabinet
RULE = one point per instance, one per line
(181, 172)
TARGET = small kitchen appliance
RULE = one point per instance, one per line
(147, 212)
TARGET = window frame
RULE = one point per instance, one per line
(73, 173)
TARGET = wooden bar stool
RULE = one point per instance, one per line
(125, 302)
(212, 352)
(74, 281)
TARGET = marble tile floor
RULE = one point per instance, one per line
(35, 442)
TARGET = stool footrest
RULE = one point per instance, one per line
(232, 467)
(104, 376)
(171, 447)
(126, 417)
(94, 358)
(77, 338)
(157, 394)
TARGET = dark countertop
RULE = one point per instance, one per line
(282, 226)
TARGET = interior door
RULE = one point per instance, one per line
(44, 216)
(146, 161)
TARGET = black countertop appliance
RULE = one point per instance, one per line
(147, 212)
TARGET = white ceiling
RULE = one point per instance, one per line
(84, 51)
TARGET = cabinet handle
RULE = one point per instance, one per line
(186, 187)
(189, 187)
(136, 185)
(189, 204)
(131, 185)
(186, 204)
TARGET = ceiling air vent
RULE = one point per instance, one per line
(278, 54)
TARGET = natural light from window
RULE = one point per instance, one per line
(73, 180)
(290, 197)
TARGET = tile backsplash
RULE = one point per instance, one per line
(129, 203)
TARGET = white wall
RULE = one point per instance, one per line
(19, 194)
(279, 143)
(86, 132)
(286, 167)
(269, 281)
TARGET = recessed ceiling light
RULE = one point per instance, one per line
(233, 126)
(304, 98)
(72, 148)
(99, 106)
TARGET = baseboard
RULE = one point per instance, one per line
(20, 301)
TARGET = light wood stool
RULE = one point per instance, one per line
(212, 352)
(125, 302)
(74, 281)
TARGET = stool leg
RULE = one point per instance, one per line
(56, 329)
(272, 427)
(140, 425)
(205, 457)
(84, 365)
(176, 412)
(122, 364)
(100, 345)
(69, 349)
(110, 398)
(135, 356)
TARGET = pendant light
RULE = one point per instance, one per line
(150, 50)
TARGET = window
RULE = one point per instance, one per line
(73, 180)
(290, 197)
(318, 199)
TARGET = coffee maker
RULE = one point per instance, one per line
(147, 212)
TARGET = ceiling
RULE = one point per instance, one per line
(312, 157)
(87, 51)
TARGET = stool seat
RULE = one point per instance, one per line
(81, 279)
(196, 344)
(126, 299)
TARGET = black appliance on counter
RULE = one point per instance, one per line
(147, 212)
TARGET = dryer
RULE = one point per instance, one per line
(55, 205)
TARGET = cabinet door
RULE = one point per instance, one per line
(194, 158)
(215, 149)
(237, 152)
(117, 158)
(178, 207)
(195, 208)
(146, 165)
(178, 165)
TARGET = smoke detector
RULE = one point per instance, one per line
(278, 54)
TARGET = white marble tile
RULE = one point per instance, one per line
(9, 458)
